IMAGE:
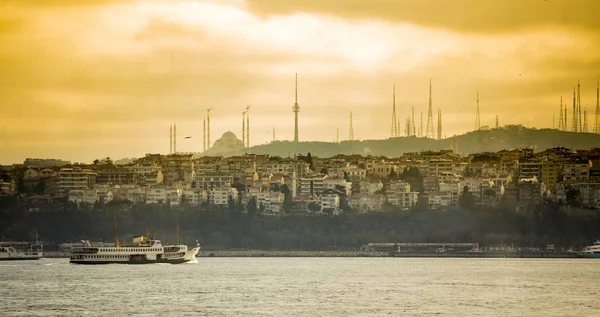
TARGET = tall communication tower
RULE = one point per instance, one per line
(477, 119)
(351, 132)
(585, 125)
(296, 109)
(439, 125)
(565, 122)
(429, 133)
(412, 123)
(580, 127)
(574, 123)
(561, 117)
(597, 117)
(421, 126)
(170, 139)
(204, 135)
(394, 122)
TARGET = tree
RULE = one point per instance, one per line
(573, 197)
(466, 200)
(309, 160)
(40, 188)
(314, 207)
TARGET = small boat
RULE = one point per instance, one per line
(10, 253)
(592, 251)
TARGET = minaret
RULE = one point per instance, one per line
(439, 125)
(574, 120)
(561, 117)
(337, 135)
(208, 128)
(351, 132)
(498, 125)
(477, 118)
(204, 135)
(394, 122)
(597, 117)
(430, 134)
(170, 139)
(174, 139)
(248, 126)
(273, 133)
(296, 110)
(244, 127)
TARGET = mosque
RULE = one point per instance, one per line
(228, 144)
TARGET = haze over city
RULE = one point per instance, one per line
(83, 80)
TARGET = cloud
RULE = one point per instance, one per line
(113, 87)
(477, 16)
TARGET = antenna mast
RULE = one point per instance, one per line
(430, 134)
(394, 122)
(597, 117)
(351, 132)
(115, 229)
(477, 118)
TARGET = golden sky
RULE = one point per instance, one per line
(88, 79)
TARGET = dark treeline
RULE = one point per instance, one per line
(233, 229)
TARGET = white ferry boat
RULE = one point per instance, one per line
(8, 253)
(592, 251)
(142, 250)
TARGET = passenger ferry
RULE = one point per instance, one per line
(10, 253)
(592, 251)
(142, 250)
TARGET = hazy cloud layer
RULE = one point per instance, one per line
(84, 80)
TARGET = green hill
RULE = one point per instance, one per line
(492, 140)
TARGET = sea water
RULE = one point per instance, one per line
(304, 287)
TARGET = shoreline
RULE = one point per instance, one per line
(357, 254)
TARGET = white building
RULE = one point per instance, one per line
(71, 178)
(271, 202)
(313, 185)
(219, 196)
(194, 196)
(163, 195)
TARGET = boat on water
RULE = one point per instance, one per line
(8, 253)
(592, 251)
(142, 250)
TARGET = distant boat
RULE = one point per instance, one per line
(10, 253)
(592, 251)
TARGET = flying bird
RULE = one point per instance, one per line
(188, 137)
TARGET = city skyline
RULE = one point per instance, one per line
(113, 87)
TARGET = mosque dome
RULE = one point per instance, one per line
(228, 143)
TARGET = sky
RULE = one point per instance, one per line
(83, 80)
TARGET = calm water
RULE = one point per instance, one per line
(304, 287)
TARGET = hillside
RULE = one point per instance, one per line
(492, 140)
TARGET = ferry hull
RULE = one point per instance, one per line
(19, 259)
(175, 261)
(591, 256)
